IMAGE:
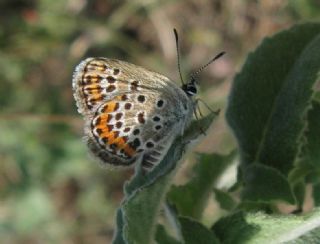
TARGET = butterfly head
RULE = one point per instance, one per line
(190, 88)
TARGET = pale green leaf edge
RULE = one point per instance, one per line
(280, 229)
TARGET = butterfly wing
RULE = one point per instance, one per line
(137, 120)
(97, 80)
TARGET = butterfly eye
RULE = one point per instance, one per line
(191, 90)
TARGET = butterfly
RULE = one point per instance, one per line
(132, 115)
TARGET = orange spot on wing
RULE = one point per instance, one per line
(108, 134)
(105, 134)
(94, 92)
(121, 143)
(112, 138)
(96, 96)
(90, 78)
(92, 87)
(100, 68)
(111, 107)
(105, 129)
(129, 151)
(104, 118)
(94, 79)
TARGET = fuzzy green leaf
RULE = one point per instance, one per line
(224, 199)
(308, 167)
(162, 236)
(311, 151)
(313, 135)
(140, 208)
(265, 184)
(310, 237)
(260, 228)
(234, 229)
(145, 193)
(118, 237)
(271, 95)
(191, 198)
(194, 232)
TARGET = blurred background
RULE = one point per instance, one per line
(50, 190)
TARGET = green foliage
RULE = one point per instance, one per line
(267, 111)
(224, 199)
(308, 166)
(163, 237)
(137, 217)
(311, 151)
(191, 199)
(265, 184)
(271, 95)
(275, 121)
(235, 229)
(195, 233)
(141, 208)
(258, 227)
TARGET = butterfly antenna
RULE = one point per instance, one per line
(194, 74)
(178, 54)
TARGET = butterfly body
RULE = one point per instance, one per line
(132, 114)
